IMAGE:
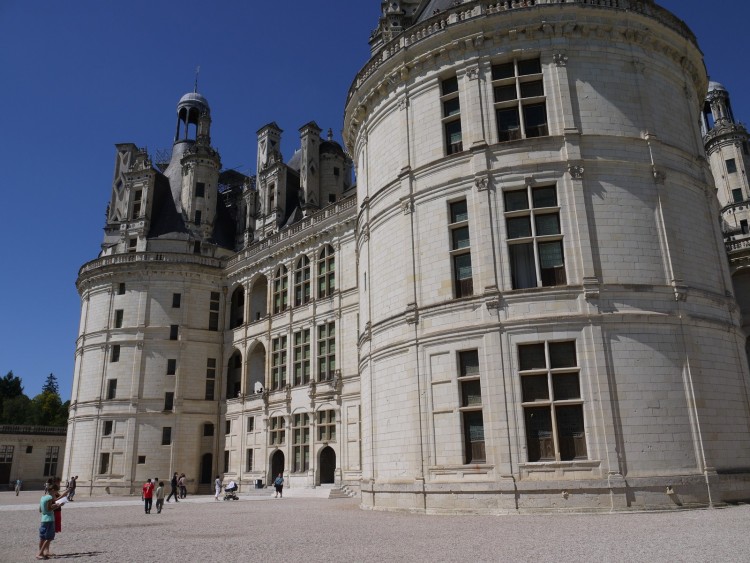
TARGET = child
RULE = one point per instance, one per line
(159, 497)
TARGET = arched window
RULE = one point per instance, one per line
(237, 308)
(302, 282)
(326, 272)
(280, 293)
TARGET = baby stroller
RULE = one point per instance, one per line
(230, 492)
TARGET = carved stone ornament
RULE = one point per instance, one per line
(560, 59)
(403, 103)
(411, 314)
(575, 171)
(660, 177)
(482, 183)
(407, 206)
(472, 72)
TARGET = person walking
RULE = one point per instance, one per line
(173, 484)
(160, 497)
(217, 486)
(72, 487)
(182, 483)
(18, 486)
(279, 484)
(47, 526)
(147, 495)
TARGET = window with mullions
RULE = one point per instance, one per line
(119, 313)
(111, 388)
(166, 436)
(535, 245)
(451, 115)
(210, 379)
(552, 403)
(280, 290)
(137, 198)
(249, 460)
(278, 362)
(213, 311)
(276, 433)
(520, 103)
(460, 251)
(471, 406)
(302, 357)
(326, 351)
(103, 464)
(302, 281)
(301, 443)
(326, 272)
(327, 426)
(51, 457)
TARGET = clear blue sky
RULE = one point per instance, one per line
(79, 76)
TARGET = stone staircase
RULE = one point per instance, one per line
(342, 492)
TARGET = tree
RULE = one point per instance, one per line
(50, 386)
(10, 386)
(16, 410)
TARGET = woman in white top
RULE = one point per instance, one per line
(217, 483)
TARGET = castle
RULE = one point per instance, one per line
(523, 303)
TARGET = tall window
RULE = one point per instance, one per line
(302, 281)
(121, 289)
(176, 300)
(171, 366)
(118, 318)
(520, 104)
(210, 379)
(200, 189)
(471, 406)
(737, 195)
(463, 284)
(250, 424)
(276, 434)
(198, 217)
(168, 400)
(326, 351)
(103, 464)
(137, 197)
(302, 357)
(213, 311)
(50, 460)
(280, 290)
(278, 362)
(107, 427)
(111, 388)
(535, 245)
(226, 461)
(249, 460)
(132, 244)
(301, 443)
(174, 331)
(166, 435)
(451, 115)
(731, 166)
(326, 272)
(114, 356)
(326, 426)
(552, 403)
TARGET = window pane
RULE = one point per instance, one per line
(469, 363)
(566, 386)
(522, 270)
(532, 66)
(502, 71)
(531, 356)
(505, 93)
(547, 224)
(459, 212)
(519, 227)
(562, 354)
(451, 107)
(534, 388)
(550, 254)
(539, 442)
(453, 137)
(471, 393)
(737, 195)
(570, 432)
(474, 437)
(450, 85)
(460, 238)
(535, 118)
(508, 124)
(731, 166)
(462, 264)
(516, 200)
(544, 197)
(532, 89)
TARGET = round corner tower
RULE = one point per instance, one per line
(544, 301)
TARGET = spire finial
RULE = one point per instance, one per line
(330, 134)
(197, 72)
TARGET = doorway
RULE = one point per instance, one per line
(327, 466)
(207, 462)
(277, 465)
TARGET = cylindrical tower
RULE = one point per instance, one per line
(546, 316)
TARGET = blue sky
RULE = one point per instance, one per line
(82, 75)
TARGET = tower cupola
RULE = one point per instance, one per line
(190, 108)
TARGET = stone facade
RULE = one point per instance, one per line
(32, 454)
(523, 305)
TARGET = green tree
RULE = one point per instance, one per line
(50, 386)
(16, 410)
(10, 386)
(45, 409)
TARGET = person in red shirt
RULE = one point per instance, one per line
(148, 494)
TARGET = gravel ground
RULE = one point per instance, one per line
(260, 528)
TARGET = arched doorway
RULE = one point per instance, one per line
(327, 466)
(277, 465)
(207, 462)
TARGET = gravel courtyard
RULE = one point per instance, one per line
(309, 528)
